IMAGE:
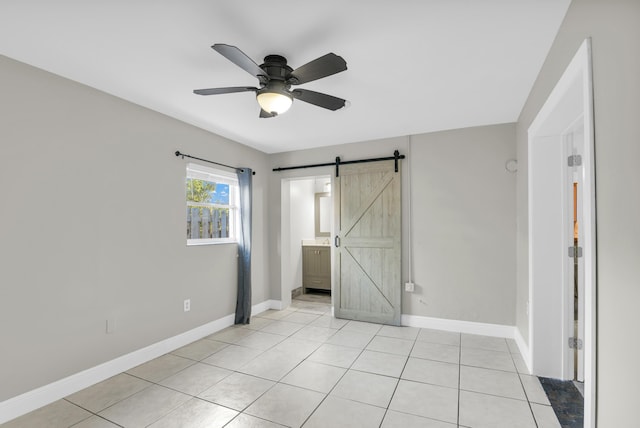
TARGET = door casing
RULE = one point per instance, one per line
(571, 100)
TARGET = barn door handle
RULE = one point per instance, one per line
(337, 241)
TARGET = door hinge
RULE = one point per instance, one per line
(575, 343)
(575, 252)
(574, 160)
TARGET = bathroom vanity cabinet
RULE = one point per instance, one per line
(316, 267)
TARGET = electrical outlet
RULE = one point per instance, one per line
(410, 287)
(187, 305)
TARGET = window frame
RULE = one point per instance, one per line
(214, 175)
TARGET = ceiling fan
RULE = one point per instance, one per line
(275, 77)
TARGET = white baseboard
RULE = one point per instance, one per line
(267, 304)
(524, 349)
(34, 399)
(496, 330)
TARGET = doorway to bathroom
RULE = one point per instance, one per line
(306, 238)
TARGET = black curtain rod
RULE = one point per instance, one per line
(396, 156)
(184, 155)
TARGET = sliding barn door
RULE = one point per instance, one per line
(367, 254)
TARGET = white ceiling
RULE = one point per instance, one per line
(414, 66)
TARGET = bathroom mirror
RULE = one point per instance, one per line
(323, 214)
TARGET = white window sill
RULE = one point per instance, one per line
(199, 242)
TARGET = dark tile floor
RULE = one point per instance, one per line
(566, 400)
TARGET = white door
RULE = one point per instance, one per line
(367, 270)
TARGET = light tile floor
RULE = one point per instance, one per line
(302, 367)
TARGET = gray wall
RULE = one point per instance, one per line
(614, 27)
(463, 219)
(464, 225)
(93, 227)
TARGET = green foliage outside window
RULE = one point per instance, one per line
(199, 190)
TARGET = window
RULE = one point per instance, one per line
(212, 205)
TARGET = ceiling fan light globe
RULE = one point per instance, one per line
(274, 102)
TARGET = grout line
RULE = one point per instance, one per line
(234, 372)
(270, 380)
(332, 388)
(526, 395)
(91, 413)
(251, 416)
(399, 378)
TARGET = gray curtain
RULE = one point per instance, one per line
(243, 302)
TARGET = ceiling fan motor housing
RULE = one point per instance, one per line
(276, 67)
(277, 86)
(277, 70)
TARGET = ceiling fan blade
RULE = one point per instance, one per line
(264, 114)
(240, 59)
(217, 91)
(318, 99)
(318, 68)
